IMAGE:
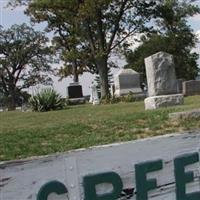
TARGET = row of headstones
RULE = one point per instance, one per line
(163, 87)
(126, 81)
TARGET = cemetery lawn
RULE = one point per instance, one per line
(29, 134)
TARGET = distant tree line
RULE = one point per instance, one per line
(24, 61)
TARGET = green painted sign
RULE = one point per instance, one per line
(51, 187)
(143, 184)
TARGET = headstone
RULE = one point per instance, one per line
(75, 91)
(126, 81)
(161, 80)
(75, 94)
(94, 97)
(160, 72)
(191, 88)
(185, 115)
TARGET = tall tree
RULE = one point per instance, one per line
(61, 18)
(103, 25)
(23, 60)
(107, 24)
(110, 81)
(173, 35)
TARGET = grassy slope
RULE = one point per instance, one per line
(30, 134)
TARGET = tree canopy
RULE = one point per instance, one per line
(86, 33)
(100, 26)
(173, 35)
(24, 60)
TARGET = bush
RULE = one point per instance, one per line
(128, 98)
(46, 100)
(125, 98)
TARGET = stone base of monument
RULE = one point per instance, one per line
(76, 101)
(156, 102)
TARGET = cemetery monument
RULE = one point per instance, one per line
(75, 93)
(126, 81)
(162, 82)
(191, 87)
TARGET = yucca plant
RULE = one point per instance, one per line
(46, 100)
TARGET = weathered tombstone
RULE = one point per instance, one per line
(161, 80)
(75, 93)
(160, 74)
(94, 97)
(126, 81)
(191, 88)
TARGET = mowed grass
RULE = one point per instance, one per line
(29, 134)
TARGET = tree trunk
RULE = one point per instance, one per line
(103, 74)
(11, 100)
(11, 103)
(75, 73)
(75, 78)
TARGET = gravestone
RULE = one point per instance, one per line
(191, 88)
(161, 80)
(75, 93)
(126, 81)
(160, 74)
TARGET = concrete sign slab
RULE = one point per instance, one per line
(158, 168)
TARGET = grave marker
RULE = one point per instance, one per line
(191, 87)
(126, 81)
(162, 83)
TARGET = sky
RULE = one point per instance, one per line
(9, 17)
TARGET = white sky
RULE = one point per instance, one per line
(9, 17)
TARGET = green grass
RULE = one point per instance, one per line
(31, 134)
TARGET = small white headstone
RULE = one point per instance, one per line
(94, 97)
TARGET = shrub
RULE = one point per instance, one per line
(46, 100)
(125, 98)
(128, 98)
